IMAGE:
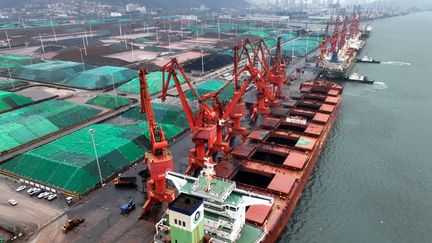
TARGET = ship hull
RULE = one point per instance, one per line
(318, 111)
(275, 232)
(336, 75)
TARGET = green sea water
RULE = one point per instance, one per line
(373, 182)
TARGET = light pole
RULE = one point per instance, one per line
(202, 62)
(92, 132)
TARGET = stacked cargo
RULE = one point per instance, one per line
(24, 125)
(69, 163)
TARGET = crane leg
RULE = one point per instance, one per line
(151, 199)
(191, 168)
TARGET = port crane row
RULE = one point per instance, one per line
(214, 124)
(338, 40)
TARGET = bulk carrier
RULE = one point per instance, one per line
(338, 61)
(256, 188)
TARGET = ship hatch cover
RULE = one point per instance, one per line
(279, 111)
(321, 118)
(305, 143)
(289, 103)
(327, 108)
(244, 150)
(259, 135)
(314, 129)
(282, 183)
(258, 213)
(296, 160)
(333, 92)
(270, 122)
(332, 100)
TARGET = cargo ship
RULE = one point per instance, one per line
(338, 63)
(366, 31)
(256, 188)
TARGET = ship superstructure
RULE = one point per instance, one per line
(223, 208)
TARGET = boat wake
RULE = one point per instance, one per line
(397, 63)
(380, 85)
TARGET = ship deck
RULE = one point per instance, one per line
(279, 155)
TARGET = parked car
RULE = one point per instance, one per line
(21, 188)
(35, 191)
(47, 195)
(52, 197)
(42, 195)
(69, 200)
(31, 191)
(12, 202)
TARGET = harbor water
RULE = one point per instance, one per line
(373, 182)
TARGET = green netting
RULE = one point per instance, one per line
(171, 131)
(320, 33)
(261, 34)
(109, 101)
(10, 84)
(69, 163)
(301, 47)
(9, 101)
(99, 78)
(271, 42)
(26, 124)
(154, 81)
(49, 72)
(211, 86)
(164, 114)
(141, 40)
(9, 61)
(214, 29)
(224, 27)
(94, 21)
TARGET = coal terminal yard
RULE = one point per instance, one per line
(95, 111)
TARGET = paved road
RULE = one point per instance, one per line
(30, 214)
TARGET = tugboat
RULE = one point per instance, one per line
(356, 77)
(367, 59)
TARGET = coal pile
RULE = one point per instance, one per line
(211, 62)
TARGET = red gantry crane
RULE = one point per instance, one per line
(342, 39)
(275, 74)
(335, 36)
(323, 46)
(159, 160)
(214, 124)
(355, 24)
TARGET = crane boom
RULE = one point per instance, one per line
(323, 46)
(335, 37)
(342, 39)
(157, 136)
(159, 160)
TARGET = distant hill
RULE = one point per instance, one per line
(166, 4)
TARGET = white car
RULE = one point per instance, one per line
(34, 191)
(69, 200)
(47, 194)
(51, 197)
(42, 195)
(12, 202)
(29, 191)
(21, 188)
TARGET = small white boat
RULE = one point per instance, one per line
(367, 59)
(356, 77)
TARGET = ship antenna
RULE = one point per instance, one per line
(208, 172)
